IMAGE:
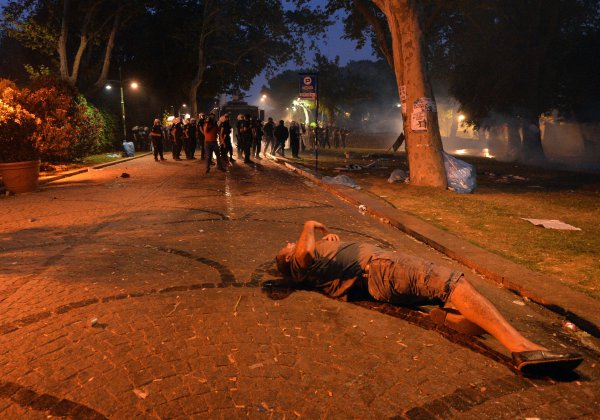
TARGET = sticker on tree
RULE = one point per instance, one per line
(426, 104)
(418, 121)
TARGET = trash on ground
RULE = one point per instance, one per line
(341, 180)
(462, 177)
(112, 155)
(125, 175)
(397, 175)
(519, 302)
(128, 149)
(570, 326)
(140, 393)
(505, 179)
(351, 167)
(93, 322)
(362, 208)
(551, 224)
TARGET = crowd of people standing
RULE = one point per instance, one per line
(213, 138)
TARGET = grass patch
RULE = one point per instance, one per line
(491, 217)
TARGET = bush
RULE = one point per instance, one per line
(111, 140)
(18, 126)
(70, 128)
(50, 120)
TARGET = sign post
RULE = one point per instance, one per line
(309, 89)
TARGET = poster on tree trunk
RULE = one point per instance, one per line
(403, 98)
(418, 121)
(426, 104)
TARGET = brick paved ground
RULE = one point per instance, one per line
(140, 296)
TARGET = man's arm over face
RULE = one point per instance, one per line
(305, 246)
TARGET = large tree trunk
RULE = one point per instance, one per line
(423, 148)
(196, 83)
(208, 28)
(110, 44)
(62, 43)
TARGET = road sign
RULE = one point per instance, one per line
(308, 86)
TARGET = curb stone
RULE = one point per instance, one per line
(82, 170)
(542, 289)
(74, 172)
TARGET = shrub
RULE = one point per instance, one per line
(50, 120)
(70, 128)
(18, 126)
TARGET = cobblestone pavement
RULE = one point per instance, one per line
(140, 297)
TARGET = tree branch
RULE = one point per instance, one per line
(378, 28)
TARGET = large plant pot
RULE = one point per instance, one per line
(20, 177)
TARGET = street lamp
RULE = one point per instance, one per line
(133, 85)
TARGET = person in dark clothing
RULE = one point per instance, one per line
(191, 135)
(156, 135)
(238, 135)
(257, 135)
(245, 129)
(281, 134)
(269, 130)
(177, 137)
(295, 139)
(343, 136)
(200, 132)
(326, 137)
(225, 138)
(302, 137)
(211, 144)
(339, 268)
(185, 143)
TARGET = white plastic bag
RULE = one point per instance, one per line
(462, 177)
(128, 149)
(341, 180)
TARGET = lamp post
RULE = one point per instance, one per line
(133, 85)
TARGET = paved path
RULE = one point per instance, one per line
(140, 296)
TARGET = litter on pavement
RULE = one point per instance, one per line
(397, 175)
(341, 180)
(551, 224)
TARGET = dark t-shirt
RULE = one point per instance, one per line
(337, 267)
(281, 133)
(157, 131)
(269, 128)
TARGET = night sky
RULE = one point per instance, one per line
(332, 45)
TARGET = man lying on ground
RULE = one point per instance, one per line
(339, 268)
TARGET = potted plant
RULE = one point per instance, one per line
(19, 158)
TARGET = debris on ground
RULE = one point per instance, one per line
(125, 175)
(341, 180)
(397, 175)
(462, 176)
(362, 208)
(141, 394)
(570, 326)
(551, 224)
(351, 167)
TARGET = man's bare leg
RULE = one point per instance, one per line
(477, 309)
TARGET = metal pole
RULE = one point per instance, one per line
(122, 105)
(317, 129)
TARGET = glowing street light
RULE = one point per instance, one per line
(133, 85)
(461, 118)
(263, 97)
